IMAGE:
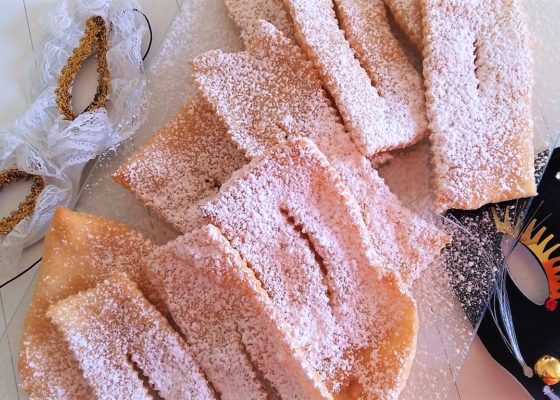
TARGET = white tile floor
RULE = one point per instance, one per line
(20, 39)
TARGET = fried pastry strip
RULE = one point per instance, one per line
(300, 231)
(364, 111)
(186, 160)
(477, 68)
(119, 338)
(399, 84)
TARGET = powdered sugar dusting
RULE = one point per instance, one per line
(408, 15)
(271, 92)
(248, 13)
(113, 331)
(229, 321)
(187, 160)
(398, 83)
(478, 75)
(297, 226)
(444, 337)
(80, 250)
(363, 110)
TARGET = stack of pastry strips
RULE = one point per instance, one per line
(80, 251)
(113, 331)
(291, 278)
(291, 300)
(477, 69)
(356, 327)
(279, 94)
(375, 123)
(229, 321)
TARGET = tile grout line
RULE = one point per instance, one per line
(3, 315)
(30, 36)
(7, 336)
(10, 322)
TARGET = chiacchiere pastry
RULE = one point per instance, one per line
(366, 26)
(299, 229)
(408, 16)
(196, 152)
(80, 250)
(398, 83)
(114, 333)
(292, 278)
(229, 321)
(271, 92)
(359, 103)
(478, 74)
(186, 160)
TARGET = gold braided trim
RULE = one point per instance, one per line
(94, 39)
(27, 206)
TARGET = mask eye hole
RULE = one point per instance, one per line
(95, 42)
(27, 206)
(85, 85)
(525, 270)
